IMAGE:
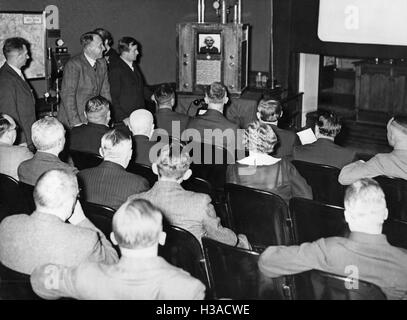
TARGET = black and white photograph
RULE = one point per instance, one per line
(209, 43)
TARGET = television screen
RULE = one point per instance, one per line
(363, 21)
(209, 43)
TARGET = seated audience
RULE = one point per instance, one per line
(141, 125)
(166, 118)
(393, 164)
(261, 171)
(140, 274)
(365, 249)
(10, 156)
(186, 209)
(86, 137)
(269, 112)
(48, 136)
(324, 150)
(109, 183)
(224, 133)
(29, 241)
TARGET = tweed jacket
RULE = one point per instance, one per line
(29, 241)
(189, 210)
(131, 279)
(17, 101)
(81, 82)
(110, 184)
(11, 157)
(30, 170)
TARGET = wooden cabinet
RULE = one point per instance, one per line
(380, 90)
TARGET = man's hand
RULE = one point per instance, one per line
(77, 216)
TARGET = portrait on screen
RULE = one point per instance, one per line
(209, 43)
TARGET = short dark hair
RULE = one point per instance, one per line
(164, 93)
(87, 38)
(329, 124)
(105, 35)
(14, 44)
(96, 104)
(125, 43)
(270, 110)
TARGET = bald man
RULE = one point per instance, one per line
(29, 241)
(393, 164)
(10, 155)
(141, 125)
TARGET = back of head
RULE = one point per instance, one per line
(173, 161)
(137, 224)
(269, 110)
(365, 206)
(125, 43)
(105, 35)
(328, 124)
(48, 133)
(141, 122)
(87, 38)
(7, 126)
(56, 191)
(14, 45)
(164, 95)
(97, 110)
(116, 146)
(215, 93)
(397, 131)
(259, 137)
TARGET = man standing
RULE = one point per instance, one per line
(16, 98)
(126, 81)
(85, 76)
(110, 54)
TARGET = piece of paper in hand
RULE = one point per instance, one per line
(307, 136)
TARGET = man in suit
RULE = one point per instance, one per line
(212, 127)
(16, 97)
(172, 122)
(86, 138)
(111, 56)
(140, 273)
(126, 81)
(209, 47)
(324, 150)
(269, 112)
(364, 253)
(49, 138)
(393, 164)
(29, 241)
(109, 183)
(85, 76)
(10, 155)
(186, 209)
(141, 125)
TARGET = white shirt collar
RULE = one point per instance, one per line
(17, 70)
(258, 159)
(130, 64)
(90, 60)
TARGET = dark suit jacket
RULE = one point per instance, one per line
(127, 89)
(324, 151)
(86, 138)
(112, 57)
(165, 117)
(17, 100)
(30, 170)
(213, 119)
(110, 184)
(287, 140)
(208, 50)
(141, 149)
(80, 83)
